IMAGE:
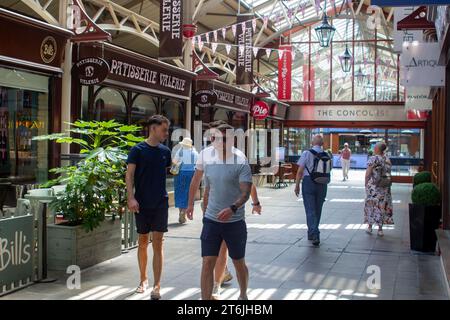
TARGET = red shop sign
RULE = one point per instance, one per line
(260, 110)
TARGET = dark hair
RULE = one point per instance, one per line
(157, 119)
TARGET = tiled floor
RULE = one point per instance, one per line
(282, 262)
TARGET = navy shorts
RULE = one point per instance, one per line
(234, 234)
(149, 220)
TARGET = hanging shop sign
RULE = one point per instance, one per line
(16, 263)
(419, 66)
(379, 113)
(418, 99)
(260, 110)
(244, 42)
(91, 70)
(204, 98)
(285, 73)
(170, 29)
(401, 36)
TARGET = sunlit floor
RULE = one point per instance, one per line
(282, 262)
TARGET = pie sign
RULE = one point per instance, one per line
(91, 71)
(260, 110)
(205, 98)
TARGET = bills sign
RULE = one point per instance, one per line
(244, 42)
(16, 251)
(170, 29)
(285, 73)
(419, 66)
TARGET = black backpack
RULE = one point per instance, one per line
(321, 172)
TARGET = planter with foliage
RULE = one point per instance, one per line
(422, 177)
(424, 216)
(94, 197)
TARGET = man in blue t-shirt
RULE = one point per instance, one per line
(147, 197)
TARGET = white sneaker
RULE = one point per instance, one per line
(216, 291)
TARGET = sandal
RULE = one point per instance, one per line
(143, 286)
(155, 295)
(380, 233)
(369, 230)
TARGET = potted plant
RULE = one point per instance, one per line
(94, 194)
(424, 216)
(422, 177)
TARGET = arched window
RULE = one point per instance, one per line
(173, 110)
(221, 114)
(109, 104)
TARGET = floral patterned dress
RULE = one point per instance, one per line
(378, 206)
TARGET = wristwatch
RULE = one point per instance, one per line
(256, 204)
(233, 208)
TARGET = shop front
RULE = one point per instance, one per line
(232, 106)
(135, 88)
(31, 54)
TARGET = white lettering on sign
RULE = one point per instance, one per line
(171, 18)
(131, 71)
(242, 101)
(15, 252)
(224, 96)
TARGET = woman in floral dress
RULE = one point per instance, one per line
(378, 205)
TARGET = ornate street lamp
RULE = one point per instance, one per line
(346, 60)
(360, 76)
(325, 31)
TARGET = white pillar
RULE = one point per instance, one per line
(65, 18)
(188, 13)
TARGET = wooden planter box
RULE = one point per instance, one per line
(74, 246)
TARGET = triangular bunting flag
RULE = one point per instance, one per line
(268, 52)
(266, 21)
(200, 45)
(280, 54)
(228, 48)
(193, 41)
(317, 6)
(215, 35)
(224, 32)
(233, 28)
(214, 47)
(243, 26)
(255, 51)
(303, 9)
(254, 25)
(207, 37)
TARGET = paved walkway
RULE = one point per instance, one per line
(282, 262)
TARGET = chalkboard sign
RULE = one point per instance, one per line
(16, 252)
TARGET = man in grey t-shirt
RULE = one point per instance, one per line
(229, 178)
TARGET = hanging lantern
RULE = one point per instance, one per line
(360, 76)
(346, 60)
(325, 32)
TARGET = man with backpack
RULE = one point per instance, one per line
(315, 171)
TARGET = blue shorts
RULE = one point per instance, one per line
(234, 234)
(149, 220)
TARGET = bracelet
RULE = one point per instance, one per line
(256, 204)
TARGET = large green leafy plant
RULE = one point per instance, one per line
(426, 194)
(95, 186)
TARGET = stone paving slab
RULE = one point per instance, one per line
(282, 262)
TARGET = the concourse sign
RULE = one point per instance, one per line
(405, 3)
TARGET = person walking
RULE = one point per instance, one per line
(314, 170)
(378, 208)
(229, 177)
(147, 165)
(184, 160)
(345, 157)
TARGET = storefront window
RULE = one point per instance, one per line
(143, 107)
(239, 120)
(221, 114)
(108, 104)
(24, 114)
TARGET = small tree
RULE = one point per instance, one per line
(95, 186)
